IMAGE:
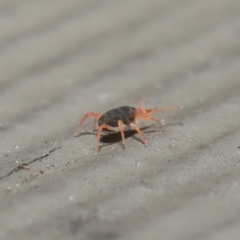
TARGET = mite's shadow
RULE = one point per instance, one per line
(109, 137)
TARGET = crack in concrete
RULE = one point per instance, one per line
(25, 165)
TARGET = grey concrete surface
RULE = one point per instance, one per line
(59, 59)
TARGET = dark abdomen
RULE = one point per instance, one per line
(111, 117)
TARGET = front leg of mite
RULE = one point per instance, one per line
(134, 125)
(121, 129)
(100, 128)
(151, 118)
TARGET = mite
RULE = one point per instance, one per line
(117, 119)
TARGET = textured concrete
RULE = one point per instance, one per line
(61, 58)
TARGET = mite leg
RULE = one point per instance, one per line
(146, 114)
(150, 111)
(94, 123)
(88, 114)
(100, 128)
(153, 119)
(140, 133)
(121, 128)
(141, 103)
(153, 110)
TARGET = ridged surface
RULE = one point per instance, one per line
(61, 59)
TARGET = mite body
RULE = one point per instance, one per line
(125, 114)
(117, 119)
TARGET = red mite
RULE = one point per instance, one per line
(117, 119)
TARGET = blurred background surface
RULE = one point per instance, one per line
(59, 59)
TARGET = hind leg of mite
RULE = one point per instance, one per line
(95, 115)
